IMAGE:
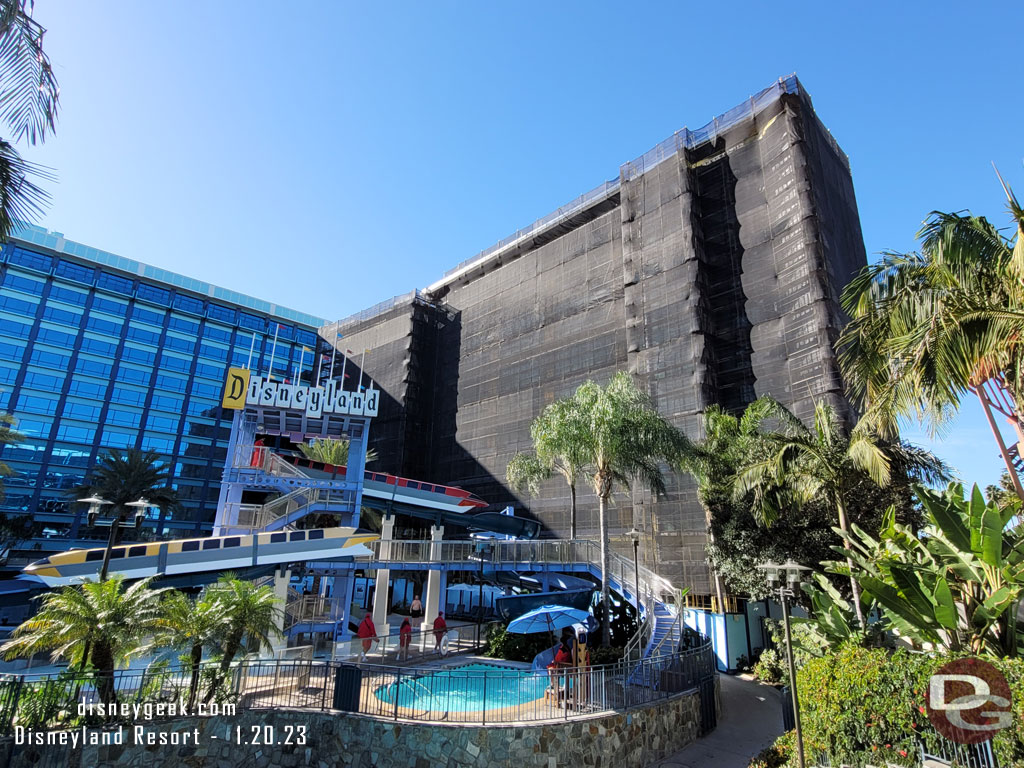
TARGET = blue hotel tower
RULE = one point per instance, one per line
(98, 351)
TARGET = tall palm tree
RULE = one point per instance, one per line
(559, 442)
(192, 625)
(712, 462)
(625, 441)
(328, 450)
(28, 105)
(929, 327)
(121, 477)
(251, 616)
(825, 461)
(105, 617)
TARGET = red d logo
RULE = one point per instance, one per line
(968, 701)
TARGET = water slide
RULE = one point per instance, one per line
(441, 504)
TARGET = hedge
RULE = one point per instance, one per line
(863, 706)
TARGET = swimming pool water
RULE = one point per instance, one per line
(470, 688)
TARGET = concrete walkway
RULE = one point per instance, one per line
(751, 720)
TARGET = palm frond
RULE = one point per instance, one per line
(29, 95)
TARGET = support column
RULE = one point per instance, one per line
(345, 594)
(383, 580)
(282, 578)
(435, 577)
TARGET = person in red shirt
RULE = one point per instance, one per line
(563, 658)
(367, 632)
(404, 639)
(257, 453)
(440, 630)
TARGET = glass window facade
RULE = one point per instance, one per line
(92, 359)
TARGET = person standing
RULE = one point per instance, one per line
(367, 632)
(416, 607)
(440, 630)
(404, 640)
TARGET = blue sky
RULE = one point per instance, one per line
(327, 156)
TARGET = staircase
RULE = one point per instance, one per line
(661, 620)
(303, 496)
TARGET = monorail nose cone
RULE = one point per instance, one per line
(38, 564)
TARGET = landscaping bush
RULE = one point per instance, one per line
(770, 668)
(775, 756)
(502, 644)
(864, 706)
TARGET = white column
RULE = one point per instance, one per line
(432, 604)
(383, 580)
(282, 577)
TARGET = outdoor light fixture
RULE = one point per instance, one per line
(140, 507)
(635, 535)
(94, 502)
(793, 575)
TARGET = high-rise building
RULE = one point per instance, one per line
(710, 269)
(98, 351)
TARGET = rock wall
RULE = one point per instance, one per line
(334, 739)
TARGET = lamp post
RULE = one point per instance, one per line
(634, 534)
(95, 503)
(785, 590)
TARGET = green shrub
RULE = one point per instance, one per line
(775, 756)
(502, 644)
(864, 706)
(770, 668)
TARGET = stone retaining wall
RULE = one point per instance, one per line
(335, 739)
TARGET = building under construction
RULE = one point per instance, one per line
(710, 268)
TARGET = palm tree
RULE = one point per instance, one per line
(250, 615)
(192, 625)
(712, 462)
(122, 477)
(28, 105)
(105, 617)
(625, 441)
(801, 464)
(327, 450)
(559, 441)
(929, 327)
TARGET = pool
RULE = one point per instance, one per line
(469, 688)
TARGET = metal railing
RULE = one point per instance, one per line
(256, 517)
(311, 609)
(265, 460)
(634, 649)
(560, 552)
(672, 637)
(422, 644)
(453, 694)
(530, 553)
(471, 694)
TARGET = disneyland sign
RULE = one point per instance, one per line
(242, 389)
(315, 401)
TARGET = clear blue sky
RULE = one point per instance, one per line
(327, 156)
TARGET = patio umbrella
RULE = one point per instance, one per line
(547, 618)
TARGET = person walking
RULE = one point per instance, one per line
(416, 607)
(404, 640)
(367, 632)
(440, 630)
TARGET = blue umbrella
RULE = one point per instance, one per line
(548, 618)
